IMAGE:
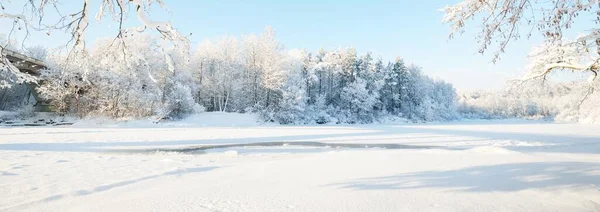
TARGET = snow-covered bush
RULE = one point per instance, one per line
(359, 102)
(179, 101)
(292, 107)
(319, 111)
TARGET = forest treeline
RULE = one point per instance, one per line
(255, 74)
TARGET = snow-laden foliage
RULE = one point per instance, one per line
(292, 107)
(51, 16)
(567, 55)
(251, 74)
(111, 80)
(178, 99)
(559, 101)
(502, 21)
(358, 102)
(254, 74)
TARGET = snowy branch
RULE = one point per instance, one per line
(76, 23)
(502, 19)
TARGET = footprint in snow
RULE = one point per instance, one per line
(62, 161)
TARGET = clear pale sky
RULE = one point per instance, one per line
(389, 28)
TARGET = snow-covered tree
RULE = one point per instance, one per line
(292, 107)
(120, 81)
(248, 74)
(359, 102)
(178, 99)
(36, 15)
(218, 70)
(503, 20)
(554, 100)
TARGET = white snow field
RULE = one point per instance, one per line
(459, 166)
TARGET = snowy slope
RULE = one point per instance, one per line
(467, 166)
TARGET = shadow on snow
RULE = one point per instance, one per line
(106, 187)
(502, 177)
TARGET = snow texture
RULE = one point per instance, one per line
(509, 165)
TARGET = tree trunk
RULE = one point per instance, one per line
(268, 98)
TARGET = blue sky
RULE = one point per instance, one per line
(389, 28)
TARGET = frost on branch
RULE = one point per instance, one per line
(50, 16)
(501, 20)
(9, 73)
(166, 30)
(572, 56)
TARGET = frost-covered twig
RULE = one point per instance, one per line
(502, 18)
(76, 23)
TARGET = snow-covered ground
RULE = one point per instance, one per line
(461, 166)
